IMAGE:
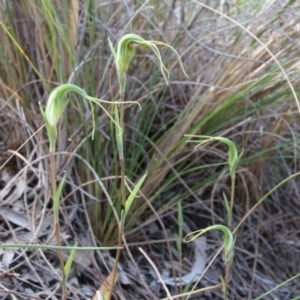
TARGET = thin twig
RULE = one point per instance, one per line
(157, 273)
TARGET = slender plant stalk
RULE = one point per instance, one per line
(122, 163)
(227, 270)
(232, 193)
(55, 107)
(123, 56)
(179, 245)
(56, 224)
(228, 240)
(231, 202)
(227, 267)
(123, 190)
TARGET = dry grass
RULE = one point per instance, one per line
(235, 89)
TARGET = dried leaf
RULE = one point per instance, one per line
(7, 257)
(14, 217)
(11, 195)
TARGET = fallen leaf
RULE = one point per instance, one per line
(9, 194)
(14, 217)
(7, 257)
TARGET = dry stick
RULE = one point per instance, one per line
(138, 271)
(208, 288)
(157, 273)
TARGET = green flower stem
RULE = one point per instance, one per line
(233, 160)
(228, 243)
(119, 138)
(56, 223)
(232, 194)
(122, 162)
(123, 57)
(124, 213)
(56, 104)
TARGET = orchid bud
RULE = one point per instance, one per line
(58, 101)
(125, 52)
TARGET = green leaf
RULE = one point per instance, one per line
(56, 198)
(228, 210)
(132, 196)
(112, 49)
(180, 228)
(180, 218)
(223, 284)
(69, 263)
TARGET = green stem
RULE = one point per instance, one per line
(232, 192)
(227, 269)
(180, 269)
(123, 190)
(53, 173)
(122, 163)
(56, 223)
(232, 199)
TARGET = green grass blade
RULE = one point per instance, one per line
(69, 263)
(132, 196)
(51, 247)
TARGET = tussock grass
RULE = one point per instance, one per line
(235, 90)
